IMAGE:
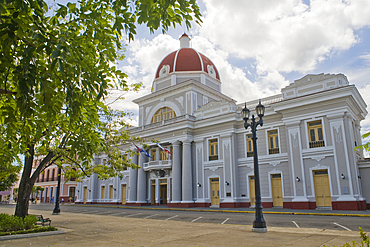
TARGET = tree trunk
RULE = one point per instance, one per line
(25, 186)
(28, 180)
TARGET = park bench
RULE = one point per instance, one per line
(42, 221)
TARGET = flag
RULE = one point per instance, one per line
(164, 149)
(143, 151)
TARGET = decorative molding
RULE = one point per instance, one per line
(337, 127)
(180, 100)
(294, 138)
(318, 158)
(211, 71)
(274, 163)
(226, 150)
(318, 166)
(164, 71)
(213, 168)
(147, 110)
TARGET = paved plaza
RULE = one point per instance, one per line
(103, 230)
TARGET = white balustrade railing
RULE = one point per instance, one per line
(158, 164)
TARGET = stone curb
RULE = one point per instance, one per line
(33, 235)
(226, 211)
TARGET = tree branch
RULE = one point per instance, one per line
(5, 91)
(42, 165)
(78, 164)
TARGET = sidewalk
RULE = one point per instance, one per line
(365, 213)
(100, 230)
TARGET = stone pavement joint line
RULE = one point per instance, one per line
(228, 210)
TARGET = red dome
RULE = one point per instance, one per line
(186, 59)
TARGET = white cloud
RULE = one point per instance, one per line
(283, 35)
(365, 93)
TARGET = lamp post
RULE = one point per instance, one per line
(259, 224)
(57, 209)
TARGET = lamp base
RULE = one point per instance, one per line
(259, 230)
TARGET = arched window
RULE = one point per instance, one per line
(163, 114)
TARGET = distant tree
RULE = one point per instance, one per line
(366, 145)
(8, 175)
(54, 75)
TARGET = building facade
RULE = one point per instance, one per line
(48, 181)
(305, 147)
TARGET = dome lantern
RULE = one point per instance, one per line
(184, 41)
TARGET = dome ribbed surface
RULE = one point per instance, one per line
(186, 59)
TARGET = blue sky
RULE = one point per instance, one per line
(262, 46)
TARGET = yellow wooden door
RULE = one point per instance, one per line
(123, 194)
(163, 194)
(277, 192)
(215, 191)
(85, 194)
(252, 191)
(322, 188)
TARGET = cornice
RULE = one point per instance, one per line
(317, 97)
(178, 87)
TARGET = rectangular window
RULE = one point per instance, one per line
(110, 191)
(249, 146)
(162, 155)
(213, 149)
(103, 192)
(273, 138)
(72, 194)
(315, 134)
(154, 154)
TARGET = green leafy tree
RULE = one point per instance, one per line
(55, 73)
(365, 146)
(8, 175)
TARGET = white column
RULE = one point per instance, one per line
(132, 193)
(141, 180)
(187, 190)
(176, 172)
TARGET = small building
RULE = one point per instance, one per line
(306, 146)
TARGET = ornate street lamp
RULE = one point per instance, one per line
(57, 209)
(259, 224)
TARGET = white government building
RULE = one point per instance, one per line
(305, 147)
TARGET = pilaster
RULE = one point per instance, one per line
(341, 159)
(199, 147)
(296, 163)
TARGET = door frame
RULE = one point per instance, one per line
(281, 186)
(317, 168)
(210, 189)
(123, 185)
(329, 180)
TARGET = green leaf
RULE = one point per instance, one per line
(55, 54)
